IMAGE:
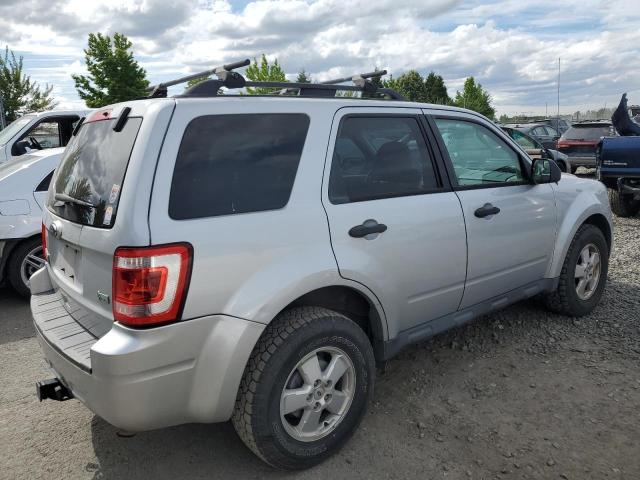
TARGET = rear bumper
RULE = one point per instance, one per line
(581, 161)
(146, 379)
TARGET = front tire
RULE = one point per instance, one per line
(25, 260)
(623, 205)
(563, 166)
(583, 276)
(305, 389)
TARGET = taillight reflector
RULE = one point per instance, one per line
(150, 283)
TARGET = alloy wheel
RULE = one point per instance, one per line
(587, 272)
(317, 394)
(31, 263)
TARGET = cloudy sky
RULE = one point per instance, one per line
(511, 47)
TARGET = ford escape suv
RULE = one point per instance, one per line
(214, 257)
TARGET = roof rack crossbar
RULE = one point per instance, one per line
(226, 77)
(223, 72)
(356, 78)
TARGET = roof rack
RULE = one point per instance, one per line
(227, 78)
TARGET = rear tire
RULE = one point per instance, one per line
(623, 205)
(24, 261)
(568, 299)
(281, 369)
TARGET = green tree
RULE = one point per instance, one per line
(476, 98)
(303, 77)
(114, 75)
(411, 85)
(19, 93)
(435, 90)
(264, 72)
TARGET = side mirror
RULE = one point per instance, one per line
(20, 148)
(544, 170)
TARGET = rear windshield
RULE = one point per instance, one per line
(229, 164)
(88, 182)
(587, 133)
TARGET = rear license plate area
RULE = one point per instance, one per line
(66, 261)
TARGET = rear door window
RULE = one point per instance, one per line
(380, 157)
(229, 164)
(88, 182)
(587, 133)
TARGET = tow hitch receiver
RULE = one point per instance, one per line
(52, 389)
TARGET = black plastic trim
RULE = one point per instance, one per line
(427, 330)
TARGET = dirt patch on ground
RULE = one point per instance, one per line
(519, 394)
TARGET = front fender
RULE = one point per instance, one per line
(577, 199)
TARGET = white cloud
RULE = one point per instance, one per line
(510, 47)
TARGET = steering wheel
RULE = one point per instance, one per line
(35, 143)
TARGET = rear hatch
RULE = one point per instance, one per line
(582, 140)
(98, 200)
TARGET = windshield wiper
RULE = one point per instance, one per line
(64, 198)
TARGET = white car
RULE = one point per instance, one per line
(23, 188)
(38, 131)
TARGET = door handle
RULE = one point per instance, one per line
(368, 227)
(486, 210)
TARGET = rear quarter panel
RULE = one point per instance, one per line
(252, 265)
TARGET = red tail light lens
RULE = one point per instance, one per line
(43, 234)
(150, 284)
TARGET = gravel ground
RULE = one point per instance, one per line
(519, 394)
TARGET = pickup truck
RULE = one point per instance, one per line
(618, 163)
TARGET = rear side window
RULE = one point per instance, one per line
(43, 186)
(587, 133)
(230, 164)
(87, 183)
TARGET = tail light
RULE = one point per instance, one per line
(44, 233)
(150, 284)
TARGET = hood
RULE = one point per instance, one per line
(19, 178)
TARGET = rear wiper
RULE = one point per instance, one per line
(64, 198)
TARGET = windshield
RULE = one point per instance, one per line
(14, 127)
(587, 133)
(88, 181)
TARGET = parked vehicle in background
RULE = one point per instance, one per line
(38, 131)
(545, 134)
(618, 163)
(536, 150)
(23, 190)
(187, 295)
(560, 125)
(581, 140)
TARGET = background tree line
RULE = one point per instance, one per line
(113, 75)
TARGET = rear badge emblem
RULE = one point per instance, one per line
(103, 298)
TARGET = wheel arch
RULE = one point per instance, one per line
(595, 214)
(10, 247)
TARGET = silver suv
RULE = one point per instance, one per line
(216, 257)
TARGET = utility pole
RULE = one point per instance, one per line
(558, 88)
